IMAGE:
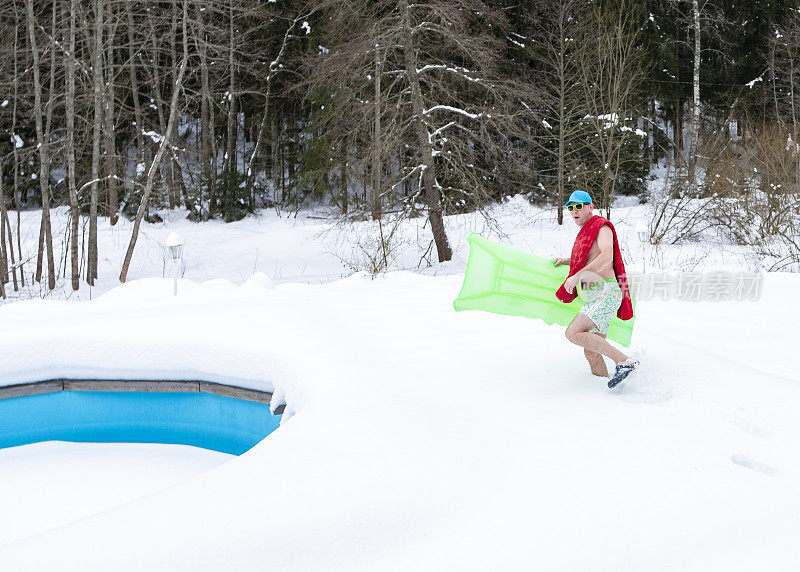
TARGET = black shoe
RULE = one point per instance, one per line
(622, 372)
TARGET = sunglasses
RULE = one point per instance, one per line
(576, 206)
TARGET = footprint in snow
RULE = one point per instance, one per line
(750, 463)
(741, 420)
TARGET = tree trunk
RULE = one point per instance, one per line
(49, 108)
(74, 210)
(97, 130)
(232, 132)
(274, 67)
(345, 179)
(206, 111)
(173, 112)
(562, 92)
(677, 133)
(431, 191)
(3, 252)
(791, 99)
(291, 159)
(10, 251)
(174, 198)
(275, 158)
(108, 115)
(137, 109)
(157, 96)
(376, 205)
(251, 173)
(44, 151)
(649, 128)
(694, 133)
(17, 194)
(177, 188)
(282, 149)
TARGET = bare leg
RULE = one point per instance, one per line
(596, 361)
(578, 333)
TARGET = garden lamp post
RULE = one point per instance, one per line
(641, 230)
(175, 245)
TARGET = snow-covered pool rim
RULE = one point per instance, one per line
(139, 385)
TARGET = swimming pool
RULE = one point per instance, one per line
(217, 422)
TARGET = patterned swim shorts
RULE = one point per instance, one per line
(603, 299)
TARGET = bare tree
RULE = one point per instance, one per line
(427, 165)
(43, 142)
(15, 146)
(785, 64)
(377, 207)
(138, 117)
(611, 70)
(701, 18)
(97, 130)
(443, 108)
(74, 211)
(165, 141)
(109, 131)
(555, 45)
(3, 253)
(6, 255)
(276, 66)
(208, 151)
(694, 129)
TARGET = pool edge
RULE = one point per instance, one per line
(181, 386)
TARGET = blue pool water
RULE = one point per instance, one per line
(215, 422)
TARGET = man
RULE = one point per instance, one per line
(596, 264)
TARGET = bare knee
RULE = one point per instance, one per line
(572, 335)
(590, 355)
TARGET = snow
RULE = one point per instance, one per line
(313, 248)
(638, 131)
(451, 109)
(284, 248)
(91, 478)
(611, 119)
(750, 84)
(416, 437)
(174, 239)
(18, 142)
(156, 137)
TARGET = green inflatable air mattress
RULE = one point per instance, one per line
(505, 281)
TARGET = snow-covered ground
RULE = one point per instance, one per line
(419, 438)
(46, 485)
(312, 248)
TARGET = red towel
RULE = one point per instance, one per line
(577, 260)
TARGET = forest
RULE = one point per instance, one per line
(403, 108)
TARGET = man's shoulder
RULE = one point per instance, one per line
(605, 235)
(605, 230)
